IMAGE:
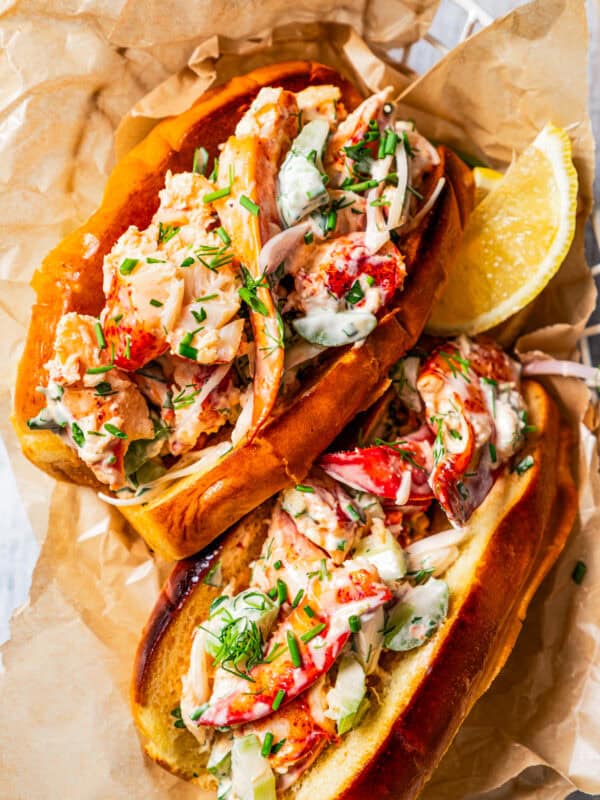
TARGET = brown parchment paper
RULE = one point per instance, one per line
(71, 71)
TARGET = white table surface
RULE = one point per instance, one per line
(18, 548)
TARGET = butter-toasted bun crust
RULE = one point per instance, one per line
(193, 511)
(517, 534)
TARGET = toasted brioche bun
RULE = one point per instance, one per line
(194, 510)
(517, 534)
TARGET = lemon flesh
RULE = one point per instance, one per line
(515, 240)
(485, 180)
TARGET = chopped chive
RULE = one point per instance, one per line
(390, 143)
(166, 232)
(249, 205)
(223, 235)
(354, 623)
(310, 635)
(355, 293)
(155, 261)
(579, 571)
(99, 370)
(277, 747)
(100, 335)
(179, 723)
(354, 515)
(363, 185)
(275, 653)
(187, 262)
(200, 161)
(168, 401)
(278, 564)
(197, 713)
(272, 593)
(492, 448)
(199, 316)
(103, 389)
(128, 265)
(302, 488)
(215, 171)
(279, 697)
(112, 429)
(282, 591)
(212, 196)
(524, 465)
(308, 237)
(370, 280)
(128, 347)
(156, 303)
(298, 598)
(265, 750)
(95, 433)
(175, 712)
(294, 649)
(187, 351)
(309, 612)
(77, 434)
(331, 220)
(341, 545)
(205, 298)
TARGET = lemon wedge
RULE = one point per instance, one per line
(485, 180)
(515, 239)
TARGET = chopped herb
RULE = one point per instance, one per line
(524, 465)
(420, 575)
(223, 235)
(278, 564)
(166, 232)
(456, 364)
(197, 712)
(272, 593)
(354, 623)
(216, 603)
(438, 446)
(156, 303)
(117, 319)
(99, 370)
(187, 351)
(309, 612)
(282, 591)
(381, 201)
(298, 598)
(267, 744)
(199, 316)
(249, 205)
(308, 237)
(168, 401)
(128, 347)
(77, 434)
(279, 697)
(114, 431)
(462, 490)
(455, 434)
(341, 545)
(302, 488)
(409, 151)
(277, 747)
(217, 195)
(187, 262)
(355, 294)
(95, 433)
(403, 452)
(179, 723)
(155, 261)
(363, 185)
(310, 635)
(390, 143)
(370, 280)
(275, 653)
(294, 649)
(215, 171)
(579, 571)
(200, 161)
(128, 265)
(103, 389)
(492, 448)
(99, 335)
(176, 712)
(205, 298)
(331, 220)
(240, 647)
(354, 515)
(249, 292)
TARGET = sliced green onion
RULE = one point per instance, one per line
(308, 237)
(267, 744)
(249, 205)
(298, 598)
(355, 294)
(187, 351)
(307, 489)
(114, 431)
(492, 449)
(310, 635)
(220, 193)
(100, 335)
(278, 564)
(331, 220)
(390, 143)
(128, 265)
(77, 434)
(99, 370)
(309, 612)
(279, 698)
(282, 591)
(199, 316)
(155, 261)
(197, 713)
(223, 235)
(187, 262)
(524, 465)
(363, 185)
(156, 303)
(354, 623)
(294, 649)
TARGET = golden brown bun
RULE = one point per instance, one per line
(518, 532)
(193, 511)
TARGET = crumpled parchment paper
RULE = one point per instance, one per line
(77, 78)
